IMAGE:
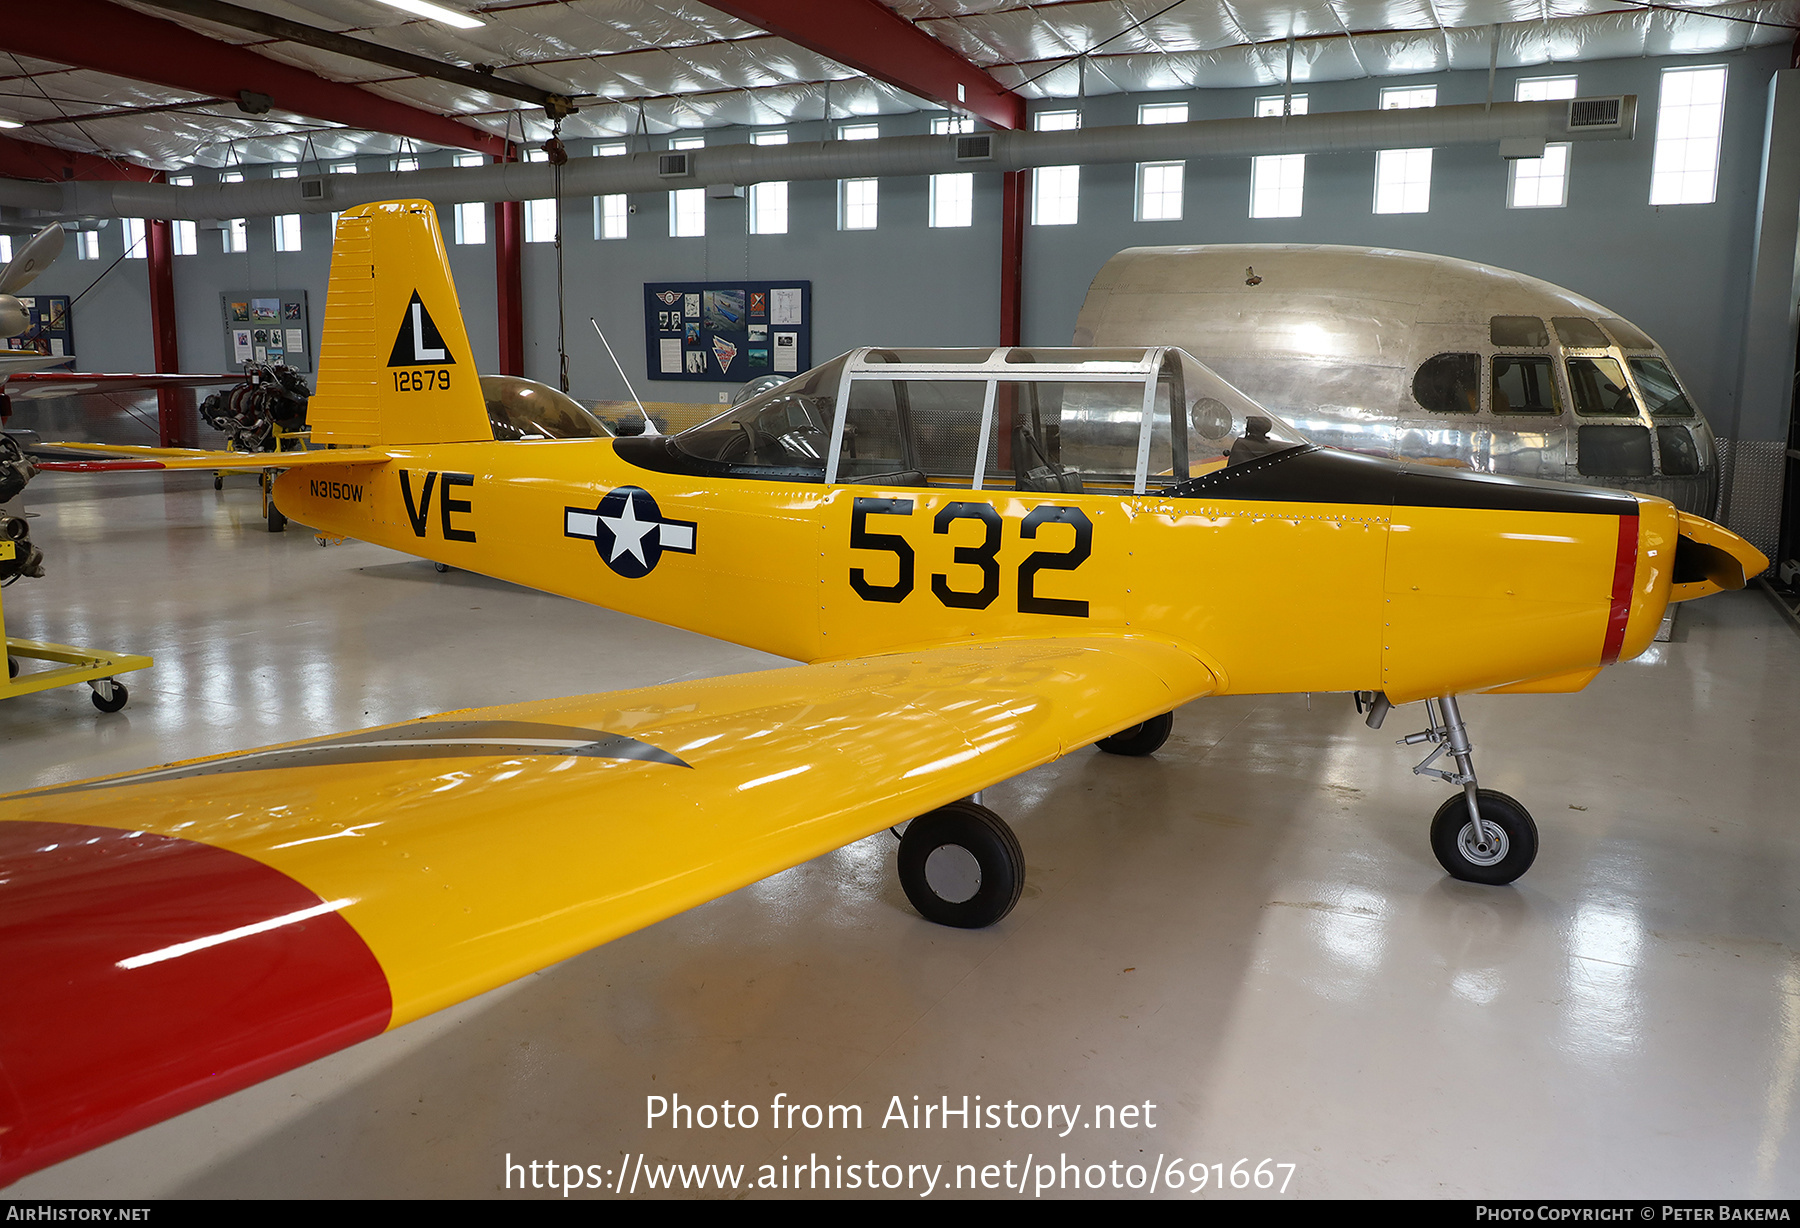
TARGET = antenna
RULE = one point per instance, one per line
(649, 426)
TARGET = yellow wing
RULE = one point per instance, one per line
(186, 931)
(133, 456)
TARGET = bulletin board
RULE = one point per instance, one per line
(271, 326)
(52, 329)
(727, 331)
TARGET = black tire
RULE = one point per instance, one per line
(12, 667)
(441, 567)
(1452, 834)
(119, 696)
(218, 481)
(1145, 739)
(962, 830)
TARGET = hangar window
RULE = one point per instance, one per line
(542, 223)
(87, 245)
(235, 236)
(1614, 452)
(6, 242)
(1160, 184)
(1159, 191)
(952, 196)
(1449, 384)
(857, 198)
(287, 225)
(610, 212)
(342, 168)
(1524, 384)
(136, 248)
(1056, 190)
(471, 216)
(1518, 330)
(1540, 183)
(1598, 386)
(405, 163)
(687, 207)
(1690, 115)
(769, 201)
(1403, 176)
(184, 236)
(1278, 181)
(1661, 390)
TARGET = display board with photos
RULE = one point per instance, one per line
(267, 326)
(51, 329)
(727, 331)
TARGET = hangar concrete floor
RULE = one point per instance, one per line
(1247, 931)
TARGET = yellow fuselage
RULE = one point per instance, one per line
(1272, 594)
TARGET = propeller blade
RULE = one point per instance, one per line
(36, 256)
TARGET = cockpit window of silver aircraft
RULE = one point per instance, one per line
(1015, 418)
(1425, 357)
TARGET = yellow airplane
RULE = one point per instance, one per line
(986, 558)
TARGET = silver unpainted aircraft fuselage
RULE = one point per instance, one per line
(1428, 357)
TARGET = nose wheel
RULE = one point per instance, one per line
(1481, 835)
(1502, 850)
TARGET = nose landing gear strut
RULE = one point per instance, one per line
(1484, 836)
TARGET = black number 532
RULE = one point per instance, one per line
(979, 560)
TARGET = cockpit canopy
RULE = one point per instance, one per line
(525, 409)
(1013, 418)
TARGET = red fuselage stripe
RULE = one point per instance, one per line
(1624, 571)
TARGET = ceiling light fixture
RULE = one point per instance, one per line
(10, 123)
(437, 12)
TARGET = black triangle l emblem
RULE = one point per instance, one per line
(418, 343)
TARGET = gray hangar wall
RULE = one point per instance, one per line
(1680, 271)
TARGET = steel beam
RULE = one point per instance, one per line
(257, 22)
(134, 45)
(30, 160)
(176, 427)
(509, 284)
(1015, 203)
(869, 37)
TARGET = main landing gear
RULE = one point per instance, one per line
(1483, 836)
(961, 865)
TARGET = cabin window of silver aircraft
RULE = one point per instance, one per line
(1597, 386)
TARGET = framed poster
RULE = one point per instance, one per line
(266, 325)
(726, 331)
(50, 331)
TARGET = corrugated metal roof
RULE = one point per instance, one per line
(672, 64)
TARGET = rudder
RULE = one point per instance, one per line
(395, 365)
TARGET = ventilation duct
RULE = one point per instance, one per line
(1328, 132)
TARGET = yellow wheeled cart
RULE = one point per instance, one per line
(98, 669)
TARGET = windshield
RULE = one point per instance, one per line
(1019, 419)
(786, 428)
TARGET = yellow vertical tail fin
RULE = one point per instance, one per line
(394, 362)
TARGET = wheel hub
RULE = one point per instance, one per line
(1488, 852)
(953, 873)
